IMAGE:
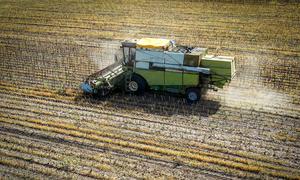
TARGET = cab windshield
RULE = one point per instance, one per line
(129, 55)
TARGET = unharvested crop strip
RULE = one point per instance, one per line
(249, 168)
(107, 133)
(20, 163)
(138, 140)
(99, 157)
(43, 154)
(141, 140)
(154, 157)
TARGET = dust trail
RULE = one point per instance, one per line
(102, 53)
(257, 98)
(247, 90)
(105, 56)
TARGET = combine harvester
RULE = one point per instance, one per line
(160, 65)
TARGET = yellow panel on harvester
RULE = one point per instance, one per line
(155, 43)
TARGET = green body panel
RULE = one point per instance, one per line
(190, 79)
(153, 77)
(221, 71)
(217, 64)
(173, 78)
(168, 78)
(172, 81)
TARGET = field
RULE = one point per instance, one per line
(49, 130)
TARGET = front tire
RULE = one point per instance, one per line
(192, 95)
(137, 85)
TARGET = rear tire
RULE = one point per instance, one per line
(192, 95)
(137, 85)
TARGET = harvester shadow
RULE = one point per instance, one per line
(163, 104)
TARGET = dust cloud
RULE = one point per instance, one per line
(101, 54)
(251, 92)
(104, 56)
(256, 98)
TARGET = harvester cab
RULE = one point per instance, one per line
(128, 50)
(160, 65)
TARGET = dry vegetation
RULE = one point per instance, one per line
(249, 129)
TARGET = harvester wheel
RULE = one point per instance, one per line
(137, 85)
(192, 95)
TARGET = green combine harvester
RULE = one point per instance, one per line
(160, 65)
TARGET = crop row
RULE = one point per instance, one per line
(152, 151)
(113, 129)
(61, 158)
(68, 117)
(116, 27)
(229, 115)
(235, 117)
(86, 16)
(142, 101)
(117, 163)
(155, 157)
